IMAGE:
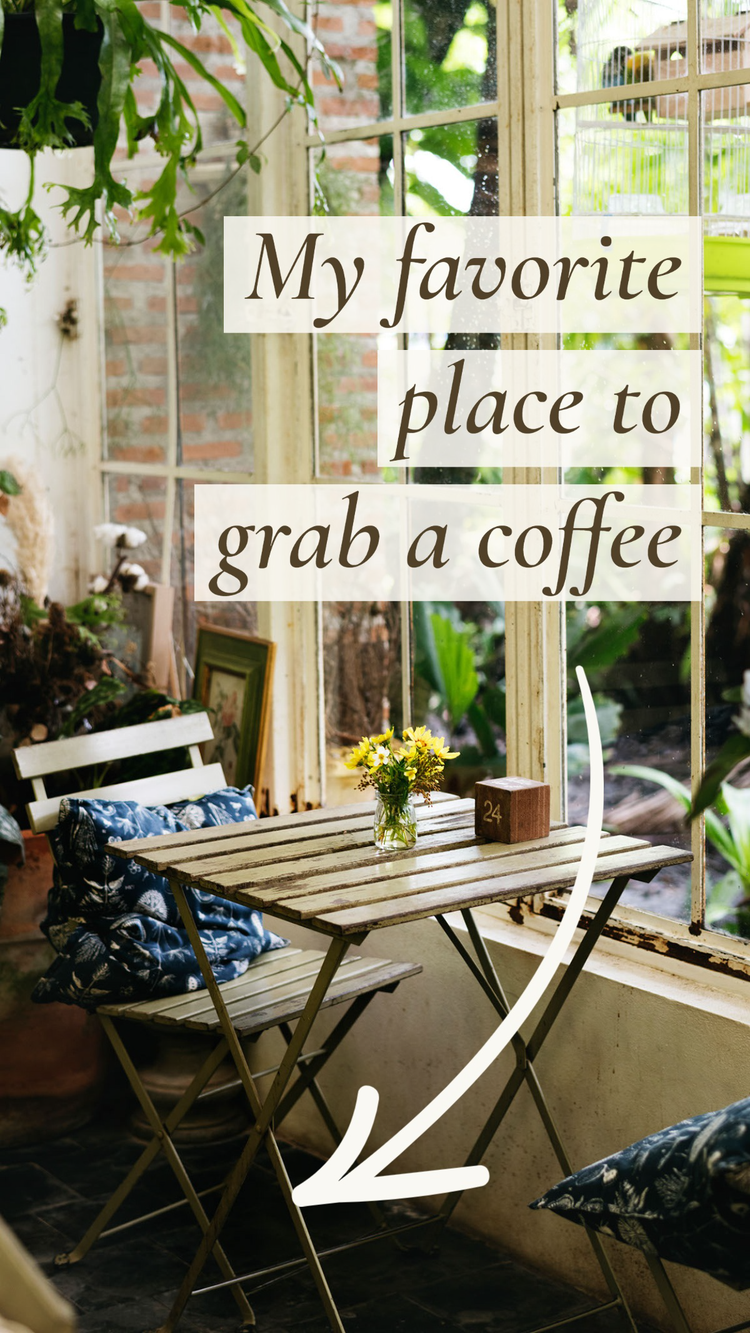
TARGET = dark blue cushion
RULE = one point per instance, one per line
(115, 925)
(682, 1194)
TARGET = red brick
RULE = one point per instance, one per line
(126, 272)
(227, 74)
(370, 358)
(116, 367)
(151, 9)
(119, 302)
(234, 420)
(345, 106)
(157, 303)
(207, 102)
(137, 333)
(153, 425)
(212, 449)
(193, 422)
(204, 41)
(154, 365)
(131, 512)
(135, 397)
(357, 384)
(329, 23)
(367, 28)
(367, 81)
(139, 453)
(187, 305)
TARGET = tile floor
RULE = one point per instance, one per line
(48, 1194)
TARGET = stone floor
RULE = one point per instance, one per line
(48, 1195)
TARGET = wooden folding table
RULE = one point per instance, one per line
(320, 869)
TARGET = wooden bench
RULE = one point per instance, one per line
(271, 994)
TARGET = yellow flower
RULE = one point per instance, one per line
(359, 753)
(411, 773)
(418, 735)
(440, 749)
(379, 740)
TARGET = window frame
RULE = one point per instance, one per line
(285, 447)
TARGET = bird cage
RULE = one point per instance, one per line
(629, 158)
(631, 154)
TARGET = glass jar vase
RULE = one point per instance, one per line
(395, 826)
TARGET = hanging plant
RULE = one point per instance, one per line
(75, 84)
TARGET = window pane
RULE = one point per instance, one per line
(610, 163)
(362, 675)
(449, 53)
(636, 658)
(136, 290)
(726, 164)
(140, 502)
(613, 43)
(459, 685)
(354, 178)
(726, 366)
(452, 169)
(725, 35)
(214, 385)
(727, 658)
(357, 35)
(188, 612)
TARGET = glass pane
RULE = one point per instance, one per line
(459, 685)
(727, 658)
(725, 35)
(188, 612)
(449, 53)
(354, 178)
(451, 169)
(726, 368)
(636, 658)
(136, 290)
(609, 162)
(613, 43)
(362, 685)
(214, 385)
(140, 502)
(357, 35)
(726, 160)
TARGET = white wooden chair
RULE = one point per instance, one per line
(271, 994)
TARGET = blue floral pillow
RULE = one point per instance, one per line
(682, 1194)
(115, 925)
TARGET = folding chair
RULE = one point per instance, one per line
(271, 994)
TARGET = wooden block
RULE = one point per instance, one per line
(511, 809)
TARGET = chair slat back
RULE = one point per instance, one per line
(187, 784)
(101, 747)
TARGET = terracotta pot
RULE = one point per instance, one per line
(51, 1055)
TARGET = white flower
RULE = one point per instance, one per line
(98, 583)
(136, 573)
(118, 534)
(133, 537)
(109, 533)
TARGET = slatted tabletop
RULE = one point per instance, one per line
(321, 868)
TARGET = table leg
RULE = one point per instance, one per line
(526, 1051)
(263, 1112)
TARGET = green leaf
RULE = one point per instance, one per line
(723, 896)
(484, 733)
(456, 665)
(715, 830)
(8, 483)
(737, 801)
(103, 692)
(733, 751)
(43, 120)
(195, 64)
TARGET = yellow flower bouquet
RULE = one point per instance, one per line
(415, 768)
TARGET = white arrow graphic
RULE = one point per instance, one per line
(336, 1181)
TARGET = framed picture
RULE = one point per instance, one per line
(233, 673)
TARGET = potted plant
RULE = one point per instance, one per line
(80, 63)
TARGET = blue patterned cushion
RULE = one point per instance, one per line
(682, 1194)
(115, 925)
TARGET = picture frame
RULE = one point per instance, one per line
(233, 678)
